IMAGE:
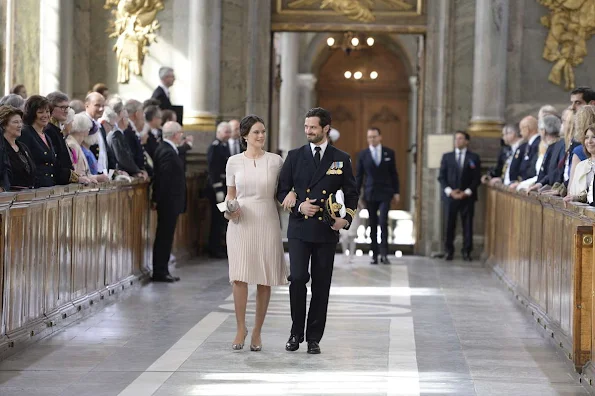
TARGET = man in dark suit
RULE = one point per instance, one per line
(235, 147)
(460, 174)
(132, 132)
(376, 165)
(551, 171)
(59, 107)
(217, 156)
(169, 198)
(530, 133)
(511, 168)
(161, 93)
(314, 171)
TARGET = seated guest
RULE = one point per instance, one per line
(580, 186)
(13, 100)
(530, 155)
(16, 166)
(584, 116)
(132, 132)
(80, 130)
(36, 118)
(511, 169)
(550, 171)
(152, 130)
(117, 117)
(168, 115)
(59, 107)
(572, 141)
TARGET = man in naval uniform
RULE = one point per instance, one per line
(314, 172)
(217, 157)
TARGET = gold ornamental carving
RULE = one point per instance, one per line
(134, 28)
(357, 10)
(571, 24)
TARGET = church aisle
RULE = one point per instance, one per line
(417, 327)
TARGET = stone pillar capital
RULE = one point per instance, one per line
(307, 80)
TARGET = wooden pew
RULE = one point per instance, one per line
(66, 250)
(543, 250)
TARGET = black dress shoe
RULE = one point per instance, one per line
(384, 260)
(313, 348)
(293, 344)
(163, 278)
(449, 257)
(467, 256)
(374, 261)
(176, 278)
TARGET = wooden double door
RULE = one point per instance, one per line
(357, 105)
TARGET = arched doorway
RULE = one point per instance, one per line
(357, 104)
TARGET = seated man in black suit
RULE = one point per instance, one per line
(377, 166)
(169, 198)
(161, 93)
(460, 175)
(551, 171)
(530, 133)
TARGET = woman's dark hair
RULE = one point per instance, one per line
(167, 115)
(32, 105)
(6, 113)
(245, 125)
(323, 115)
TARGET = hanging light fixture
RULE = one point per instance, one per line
(349, 42)
(347, 74)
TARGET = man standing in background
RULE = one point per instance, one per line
(234, 141)
(376, 166)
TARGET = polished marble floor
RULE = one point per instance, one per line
(416, 327)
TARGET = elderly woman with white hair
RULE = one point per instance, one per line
(81, 126)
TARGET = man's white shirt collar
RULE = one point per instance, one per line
(322, 148)
(532, 139)
(165, 89)
(377, 148)
(171, 144)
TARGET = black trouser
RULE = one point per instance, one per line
(452, 208)
(164, 239)
(375, 220)
(323, 257)
(218, 226)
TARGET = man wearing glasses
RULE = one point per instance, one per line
(59, 113)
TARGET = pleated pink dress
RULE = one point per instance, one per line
(254, 245)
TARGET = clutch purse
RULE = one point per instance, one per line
(229, 206)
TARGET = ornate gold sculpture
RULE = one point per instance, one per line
(571, 24)
(357, 10)
(134, 27)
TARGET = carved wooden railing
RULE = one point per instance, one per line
(543, 250)
(65, 250)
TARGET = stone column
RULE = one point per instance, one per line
(8, 37)
(289, 136)
(49, 46)
(306, 98)
(204, 28)
(413, 97)
(259, 53)
(489, 68)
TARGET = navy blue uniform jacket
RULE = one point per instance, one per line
(300, 173)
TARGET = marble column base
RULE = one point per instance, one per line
(485, 128)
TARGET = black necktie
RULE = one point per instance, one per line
(317, 156)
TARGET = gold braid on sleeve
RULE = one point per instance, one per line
(74, 177)
(350, 212)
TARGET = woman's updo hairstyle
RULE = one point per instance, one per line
(245, 125)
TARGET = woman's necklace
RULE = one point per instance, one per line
(255, 158)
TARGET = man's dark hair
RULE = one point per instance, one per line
(373, 128)
(151, 102)
(587, 93)
(464, 133)
(323, 115)
(151, 112)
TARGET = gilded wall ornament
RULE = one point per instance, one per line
(571, 24)
(134, 28)
(357, 10)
